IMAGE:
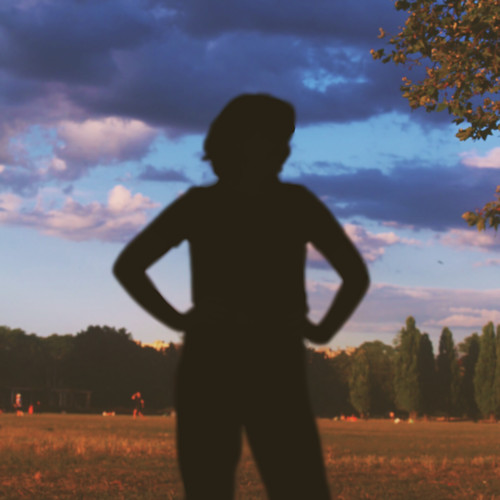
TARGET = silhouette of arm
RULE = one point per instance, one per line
(329, 238)
(163, 233)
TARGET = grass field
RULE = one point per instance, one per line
(94, 457)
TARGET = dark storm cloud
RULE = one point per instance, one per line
(69, 42)
(176, 63)
(352, 22)
(423, 197)
(150, 173)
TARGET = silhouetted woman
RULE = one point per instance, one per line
(242, 365)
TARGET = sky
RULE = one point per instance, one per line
(103, 109)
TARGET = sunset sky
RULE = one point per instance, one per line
(103, 109)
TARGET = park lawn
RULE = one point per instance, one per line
(53, 456)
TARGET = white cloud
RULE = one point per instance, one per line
(467, 238)
(9, 203)
(490, 160)
(117, 220)
(469, 317)
(58, 164)
(371, 245)
(99, 141)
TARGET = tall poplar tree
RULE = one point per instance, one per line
(485, 372)
(469, 347)
(426, 374)
(496, 383)
(448, 376)
(407, 386)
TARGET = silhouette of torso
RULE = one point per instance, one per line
(248, 249)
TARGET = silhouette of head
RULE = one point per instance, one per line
(249, 139)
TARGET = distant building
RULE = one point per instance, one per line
(159, 345)
(331, 353)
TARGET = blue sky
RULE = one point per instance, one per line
(103, 110)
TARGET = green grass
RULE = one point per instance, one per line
(94, 457)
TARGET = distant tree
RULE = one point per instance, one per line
(107, 361)
(327, 387)
(496, 382)
(170, 360)
(407, 380)
(58, 353)
(426, 374)
(485, 372)
(448, 376)
(469, 348)
(341, 367)
(457, 44)
(371, 378)
(360, 387)
(21, 358)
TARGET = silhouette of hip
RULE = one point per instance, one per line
(226, 383)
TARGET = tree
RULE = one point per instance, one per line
(107, 362)
(360, 389)
(426, 374)
(496, 382)
(407, 386)
(448, 376)
(489, 214)
(485, 372)
(341, 366)
(469, 348)
(328, 383)
(456, 42)
(371, 379)
(58, 350)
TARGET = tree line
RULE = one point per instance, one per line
(375, 379)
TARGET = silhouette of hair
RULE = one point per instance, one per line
(249, 117)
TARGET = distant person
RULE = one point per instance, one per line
(243, 361)
(138, 405)
(18, 405)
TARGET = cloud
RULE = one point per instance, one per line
(108, 140)
(117, 220)
(371, 245)
(352, 23)
(471, 238)
(490, 160)
(384, 310)
(175, 64)
(469, 317)
(422, 197)
(150, 173)
(488, 263)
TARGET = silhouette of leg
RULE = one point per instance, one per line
(282, 431)
(209, 431)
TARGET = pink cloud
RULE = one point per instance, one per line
(117, 220)
(490, 160)
(99, 141)
(484, 240)
(371, 245)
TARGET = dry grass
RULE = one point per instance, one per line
(94, 457)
